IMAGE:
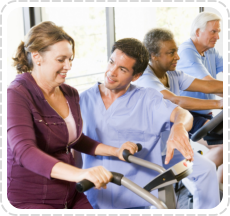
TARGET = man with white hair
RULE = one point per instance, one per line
(200, 59)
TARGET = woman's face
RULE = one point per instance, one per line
(55, 63)
(168, 57)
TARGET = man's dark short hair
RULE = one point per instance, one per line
(136, 50)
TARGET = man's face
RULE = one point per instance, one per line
(210, 35)
(119, 72)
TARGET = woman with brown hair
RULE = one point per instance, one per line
(44, 122)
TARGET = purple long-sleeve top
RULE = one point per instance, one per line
(37, 139)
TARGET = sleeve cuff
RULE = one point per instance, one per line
(86, 145)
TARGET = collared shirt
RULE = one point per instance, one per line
(192, 63)
(139, 116)
(37, 139)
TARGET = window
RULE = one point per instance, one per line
(92, 28)
(87, 26)
(15, 34)
(136, 22)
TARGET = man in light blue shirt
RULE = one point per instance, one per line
(198, 56)
(117, 110)
(161, 75)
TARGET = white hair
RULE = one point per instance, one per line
(201, 20)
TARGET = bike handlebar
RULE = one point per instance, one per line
(85, 184)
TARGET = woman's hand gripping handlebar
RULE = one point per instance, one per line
(85, 184)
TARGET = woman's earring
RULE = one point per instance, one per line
(38, 63)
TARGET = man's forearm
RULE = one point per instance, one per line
(214, 87)
(178, 137)
(207, 85)
(181, 116)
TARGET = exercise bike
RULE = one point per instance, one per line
(163, 182)
(213, 127)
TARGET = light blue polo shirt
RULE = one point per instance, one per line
(192, 63)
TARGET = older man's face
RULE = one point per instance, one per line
(210, 35)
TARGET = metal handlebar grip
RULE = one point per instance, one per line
(84, 185)
(139, 146)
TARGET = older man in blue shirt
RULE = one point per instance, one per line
(200, 59)
(198, 56)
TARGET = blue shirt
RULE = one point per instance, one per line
(177, 81)
(192, 63)
(139, 116)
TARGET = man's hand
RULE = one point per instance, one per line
(178, 139)
(132, 147)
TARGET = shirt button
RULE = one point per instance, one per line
(54, 123)
(40, 120)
